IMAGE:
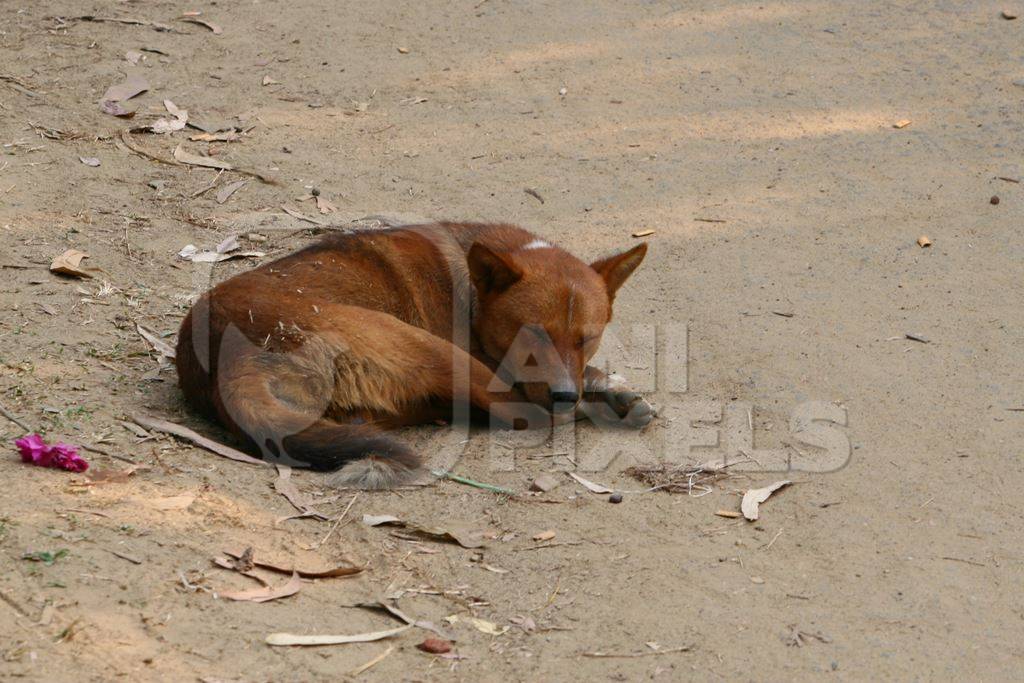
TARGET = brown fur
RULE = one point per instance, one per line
(315, 355)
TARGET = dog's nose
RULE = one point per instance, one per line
(565, 397)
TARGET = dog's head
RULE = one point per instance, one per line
(541, 313)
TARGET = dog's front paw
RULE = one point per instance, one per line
(633, 408)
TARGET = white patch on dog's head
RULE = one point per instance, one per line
(536, 244)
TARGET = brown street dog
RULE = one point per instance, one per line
(313, 357)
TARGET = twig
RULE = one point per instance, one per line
(960, 559)
(376, 660)
(126, 138)
(338, 522)
(668, 651)
(471, 482)
(87, 512)
(10, 416)
(133, 560)
(709, 220)
(774, 538)
(533, 193)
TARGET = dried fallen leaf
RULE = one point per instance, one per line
(89, 161)
(115, 109)
(377, 520)
(286, 487)
(158, 344)
(482, 625)
(643, 233)
(217, 30)
(267, 80)
(754, 497)
(195, 160)
(68, 263)
(225, 192)
(923, 241)
(302, 217)
(544, 535)
(223, 136)
(324, 205)
(220, 449)
(134, 84)
(174, 502)
(292, 639)
(902, 123)
(732, 514)
(306, 573)
(589, 485)
(381, 605)
(265, 593)
(162, 126)
(465, 537)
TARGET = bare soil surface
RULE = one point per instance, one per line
(758, 140)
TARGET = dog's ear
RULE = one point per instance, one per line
(490, 271)
(616, 269)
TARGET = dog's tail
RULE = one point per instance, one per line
(363, 456)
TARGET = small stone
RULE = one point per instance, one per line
(994, 200)
(315, 192)
(615, 498)
(435, 646)
(1008, 14)
(563, 91)
(756, 579)
(544, 483)
(403, 50)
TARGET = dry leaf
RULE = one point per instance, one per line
(923, 241)
(643, 233)
(225, 192)
(902, 123)
(265, 593)
(731, 514)
(298, 214)
(589, 485)
(754, 497)
(162, 126)
(465, 537)
(333, 572)
(89, 161)
(377, 520)
(133, 85)
(166, 427)
(196, 160)
(217, 30)
(225, 136)
(115, 109)
(158, 344)
(286, 487)
(291, 639)
(267, 80)
(544, 535)
(68, 263)
(405, 618)
(174, 502)
(482, 625)
(324, 205)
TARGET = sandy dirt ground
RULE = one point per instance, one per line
(758, 140)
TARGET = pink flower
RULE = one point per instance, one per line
(60, 455)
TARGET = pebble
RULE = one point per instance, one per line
(994, 200)
(615, 498)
